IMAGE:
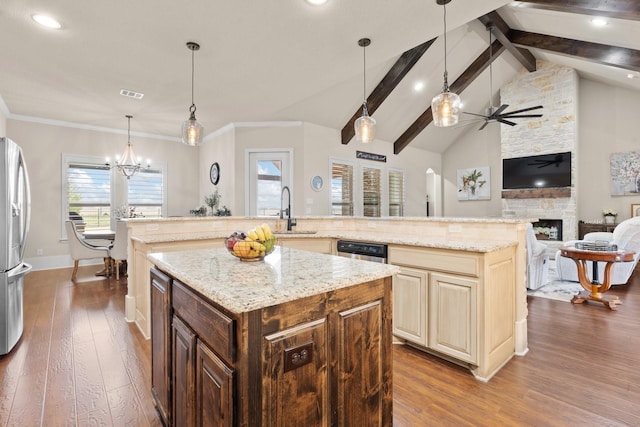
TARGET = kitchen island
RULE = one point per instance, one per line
(301, 336)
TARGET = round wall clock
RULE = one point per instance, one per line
(317, 183)
(214, 173)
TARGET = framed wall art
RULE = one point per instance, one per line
(474, 183)
(625, 174)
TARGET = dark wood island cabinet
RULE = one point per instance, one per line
(299, 339)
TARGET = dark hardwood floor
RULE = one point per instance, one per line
(79, 363)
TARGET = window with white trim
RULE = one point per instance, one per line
(341, 188)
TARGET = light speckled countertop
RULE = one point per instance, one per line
(413, 240)
(284, 275)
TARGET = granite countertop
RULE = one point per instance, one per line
(413, 240)
(284, 275)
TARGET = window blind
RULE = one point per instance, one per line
(89, 195)
(341, 189)
(371, 192)
(145, 193)
(396, 193)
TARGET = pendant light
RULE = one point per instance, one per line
(128, 164)
(365, 126)
(192, 130)
(445, 106)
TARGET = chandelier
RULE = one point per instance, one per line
(128, 164)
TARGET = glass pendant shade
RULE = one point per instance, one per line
(365, 127)
(446, 109)
(192, 130)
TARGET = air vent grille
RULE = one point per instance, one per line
(131, 94)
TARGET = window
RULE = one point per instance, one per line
(91, 197)
(371, 192)
(88, 194)
(145, 194)
(341, 189)
(396, 193)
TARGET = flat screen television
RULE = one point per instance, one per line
(544, 171)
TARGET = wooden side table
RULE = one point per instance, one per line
(593, 288)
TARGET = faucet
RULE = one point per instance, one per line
(287, 211)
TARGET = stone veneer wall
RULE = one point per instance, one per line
(556, 89)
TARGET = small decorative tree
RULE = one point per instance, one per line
(212, 200)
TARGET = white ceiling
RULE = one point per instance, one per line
(262, 60)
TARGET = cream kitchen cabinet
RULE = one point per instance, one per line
(410, 297)
(459, 305)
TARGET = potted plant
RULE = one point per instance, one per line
(609, 216)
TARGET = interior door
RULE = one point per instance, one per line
(269, 172)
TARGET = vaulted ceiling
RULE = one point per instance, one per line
(288, 60)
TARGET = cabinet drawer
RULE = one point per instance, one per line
(210, 324)
(433, 259)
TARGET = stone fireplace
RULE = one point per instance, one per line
(556, 89)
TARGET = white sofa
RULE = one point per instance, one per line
(626, 235)
(537, 260)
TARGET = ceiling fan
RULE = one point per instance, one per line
(494, 114)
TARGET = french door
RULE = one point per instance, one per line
(269, 172)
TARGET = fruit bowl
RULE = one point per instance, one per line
(250, 250)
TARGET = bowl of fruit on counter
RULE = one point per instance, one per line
(252, 245)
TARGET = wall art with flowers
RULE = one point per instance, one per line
(474, 183)
(625, 174)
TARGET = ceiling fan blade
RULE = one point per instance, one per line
(499, 110)
(509, 116)
(483, 125)
(506, 122)
(525, 109)
(474, 114)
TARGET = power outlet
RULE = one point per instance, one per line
(39, 252)
(296, 357)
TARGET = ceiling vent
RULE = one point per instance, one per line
(131, 94)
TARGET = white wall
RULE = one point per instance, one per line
(474, 149)
(608, 124)
(221, 149)
(43, 146)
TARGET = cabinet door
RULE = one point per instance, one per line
(184, 344)
(160, 340)
(214, 389)
(410, 305)
(453, 316)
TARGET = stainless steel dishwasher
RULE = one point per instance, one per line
(375, 252)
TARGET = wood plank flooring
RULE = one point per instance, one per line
(79, 363)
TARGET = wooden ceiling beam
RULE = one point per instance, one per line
(599, 53)
(620, 9)
(501, 32)
(461, 83)
(389, 82)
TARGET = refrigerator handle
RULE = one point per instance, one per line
(27, 207)
(24, 268)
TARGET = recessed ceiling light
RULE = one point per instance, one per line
(316, 2)
(599, 22)
(633, 75)
(47, 21)
(418, 86)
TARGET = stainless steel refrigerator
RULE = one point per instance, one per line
(15, 207)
